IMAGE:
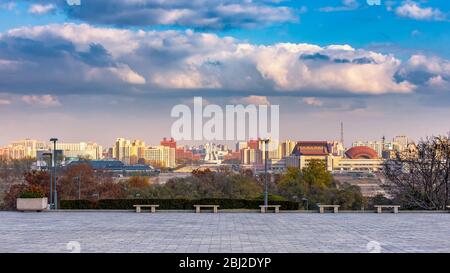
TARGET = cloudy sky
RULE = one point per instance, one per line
(109, 68)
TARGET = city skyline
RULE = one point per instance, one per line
(230, 144)
(71, 71)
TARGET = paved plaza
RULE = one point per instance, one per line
(223, 232)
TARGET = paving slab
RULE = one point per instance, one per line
(64, 232)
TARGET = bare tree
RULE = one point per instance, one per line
(419, 176)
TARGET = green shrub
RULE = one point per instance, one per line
(32, 192)
(272, 197)
(173, 204)
(77, 204)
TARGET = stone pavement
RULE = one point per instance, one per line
(223, 232)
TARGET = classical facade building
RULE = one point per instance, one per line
(360, 158)
(306, 151)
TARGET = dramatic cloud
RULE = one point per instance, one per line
(77, 59)
(44, 100)
(413, 10)
(205, 14)
(41, 9)
(423, 70)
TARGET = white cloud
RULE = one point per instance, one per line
(434, 65)
(415, 33)
(438, 81)
(41, 100)
(8, 5)
(413, 10)
(427, 71)
(347, 5)
(256, 100)
(125, 73)
(41, 9)
(5, 102)
(312, 101)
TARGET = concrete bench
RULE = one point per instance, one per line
(264, 209)
(381, 207)
(152, 208)
(198, 207)
(323, 207)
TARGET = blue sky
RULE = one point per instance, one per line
(382, 67)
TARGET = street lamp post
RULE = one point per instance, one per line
(55, 193)
(266, 184)
(50, 200)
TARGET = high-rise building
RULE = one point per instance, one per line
(4, 153)
(273, 147)
(169, 143)
(241, 145)
(129, 152)
(255, 153)
(287, 147)
(87, 150)
(26, 148)
(161, 156)
(137, 151)
(251, 156)
(401, 142)
(122, 150)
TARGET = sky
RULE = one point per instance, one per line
(95, 70)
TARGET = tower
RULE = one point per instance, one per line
(342, 134)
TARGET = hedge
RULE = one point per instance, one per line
(172, 204)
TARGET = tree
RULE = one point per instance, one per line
(419, 176)
(292, 184)
(81, 180)
(137, 182)
(316, 174)
(316, 184)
